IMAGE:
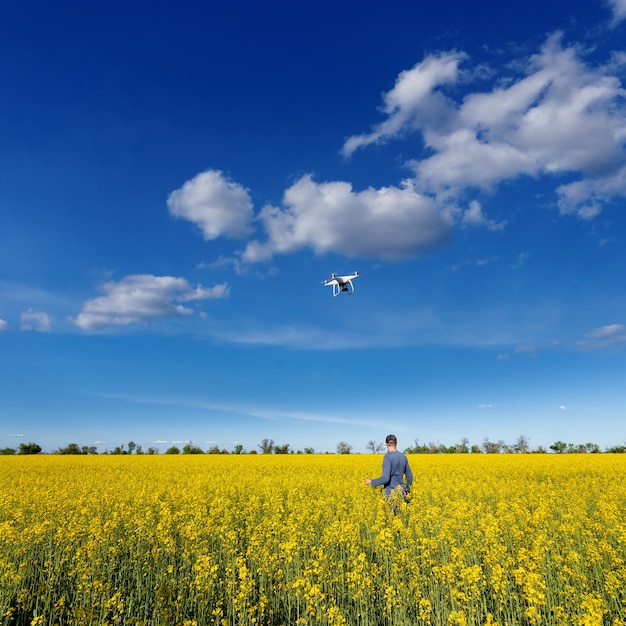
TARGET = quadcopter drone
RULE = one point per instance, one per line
(341, 283)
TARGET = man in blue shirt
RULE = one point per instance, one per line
(395, 468)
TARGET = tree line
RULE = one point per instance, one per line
(268, 446)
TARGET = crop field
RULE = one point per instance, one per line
(300, 540)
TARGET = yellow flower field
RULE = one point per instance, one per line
(300, 540)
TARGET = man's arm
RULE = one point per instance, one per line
(409, 477)
(386, 475)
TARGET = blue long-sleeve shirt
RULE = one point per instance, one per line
(395, 468)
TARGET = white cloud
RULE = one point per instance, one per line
(268, 413)
(560, 117)
(522, 257)
(586, 197)
(35, 320)
(413, 101)
(605, 337)
(141, 297)
(529, 349)
(619, 10)
(391, 222)
(218, 206)
(3, 324)
(474, 216)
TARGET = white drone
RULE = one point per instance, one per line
(341, 283)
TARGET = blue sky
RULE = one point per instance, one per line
(178, 179)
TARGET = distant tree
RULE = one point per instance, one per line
(139, 450)
(617, 449)
(284, 449)
(522, 445)
(267, 446)
(309, 451)
(475, 449)
(173, 450)
(559, 447)
(375, 446)
(131, 447)
(490, 447)
(463, 446)
(417, 448)
(253, 452)
(29, 448)
(152, 450)
(344, 448)
(7, 451)
(118, 450)
(238, 449)
(540, 450)
(71, 448)
(191, 449)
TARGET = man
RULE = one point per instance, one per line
(395, 468)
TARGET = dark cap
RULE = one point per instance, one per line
(391, 439)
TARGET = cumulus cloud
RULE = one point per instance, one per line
(142, 297)
(391, 222)
(217, 205)
(3, 324)
(414, 101)
(35, 320)
(560, 117)
(474, 216)
(552, 116)
(605, 337)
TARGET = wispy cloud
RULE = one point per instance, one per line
(265, 413)
(35, 320)
(381, 328)
(3, 324)
(528, 349)
(618, 7)
(142, 297)
(612, 335)
(474, 216)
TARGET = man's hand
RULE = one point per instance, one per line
(368, 481)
